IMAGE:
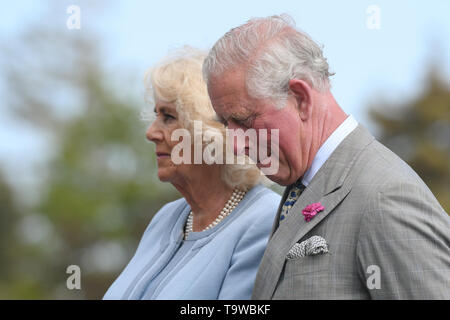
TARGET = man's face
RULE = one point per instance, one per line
(237, 110)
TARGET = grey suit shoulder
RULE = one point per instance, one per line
(387, 235)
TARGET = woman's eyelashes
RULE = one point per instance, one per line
(165, 113)
(167, 117)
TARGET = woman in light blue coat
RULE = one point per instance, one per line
(208, 244)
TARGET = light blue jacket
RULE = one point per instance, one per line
(219, 263)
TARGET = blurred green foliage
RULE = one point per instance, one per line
(100, 188)
(419, 132)
(8, 219)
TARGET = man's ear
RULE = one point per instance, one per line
(302, 92)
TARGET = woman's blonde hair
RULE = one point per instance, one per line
(178, 79)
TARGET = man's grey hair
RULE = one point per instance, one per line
(272, 52)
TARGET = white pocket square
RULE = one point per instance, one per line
(309, 247)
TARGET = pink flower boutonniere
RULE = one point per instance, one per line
(311, 210)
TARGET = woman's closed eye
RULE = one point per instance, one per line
(166, 117)
(165, 113)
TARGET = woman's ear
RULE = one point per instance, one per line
(302, 92)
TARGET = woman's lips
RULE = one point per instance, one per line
(162, 155)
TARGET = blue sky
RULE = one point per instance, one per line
(370, 65)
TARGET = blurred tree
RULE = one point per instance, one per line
(419, 132)
(8, 218)
(100, 189)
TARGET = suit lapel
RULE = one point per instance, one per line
(329, 187)
(300, 227)
(289, 232)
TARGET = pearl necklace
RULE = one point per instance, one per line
(235, 198)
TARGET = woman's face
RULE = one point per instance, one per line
(160, 132)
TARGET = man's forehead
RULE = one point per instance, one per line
(229, 94)
(228, 83)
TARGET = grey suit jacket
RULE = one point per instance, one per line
(387, 235)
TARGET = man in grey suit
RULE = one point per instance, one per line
(355, 221)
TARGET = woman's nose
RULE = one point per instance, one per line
(153, 134)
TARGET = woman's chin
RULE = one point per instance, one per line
(163, 178)
(164, 175)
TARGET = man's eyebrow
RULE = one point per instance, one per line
(241, 115)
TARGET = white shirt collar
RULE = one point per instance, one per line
(327, 148)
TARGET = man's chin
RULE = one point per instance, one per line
(277, 177)
(278, 180)
(282, 177)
